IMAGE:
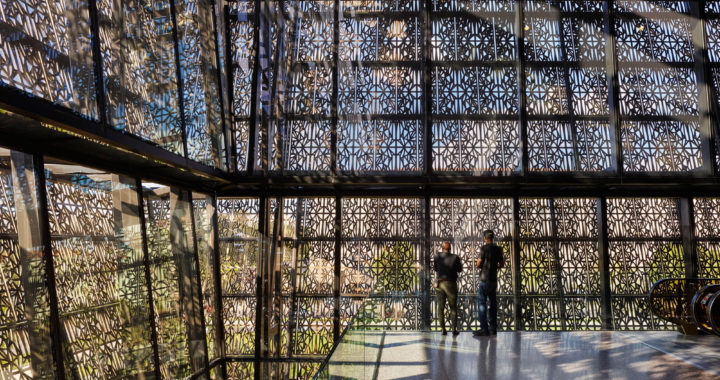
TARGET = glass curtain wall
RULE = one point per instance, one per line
(102, 275)
(146, 68)
(475, 88)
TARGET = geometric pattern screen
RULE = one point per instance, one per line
(159, 73)
(482, 87)
(132, 276)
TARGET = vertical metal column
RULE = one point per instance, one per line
(33, 233)
(334, 98)
(515, 251)
(687, 228)
(254, 93)
(259, 277)
(604, 265)
(178, 77)
(556, 265)
(56, 328)
(705, 88)
(568, 92)
(520, 67)
(427, 93)
(148, 280)
(199, 313)
(337, 268)
(293, 273)
(97, 62)
(220, 351)
(611, 73)
(224, 107)
(426, 271)
(229, 67)
(265, 52)
(274, 290)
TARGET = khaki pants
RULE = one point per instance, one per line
(447, 291)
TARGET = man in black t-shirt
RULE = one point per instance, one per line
(447, 266)
(491, 259)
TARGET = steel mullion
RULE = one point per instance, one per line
(225, 111)
(611, 72)
(426, 67)
(259, 276)
(293, 273)
(606, 319)
(47, 251)
(220, 350)
(100, 97)
(230, 68)
(427, 254)
(148, 279)
(199, 303)
(522, 101)
(568, 92)
(516, 254)
(178, 78)
(557, 264)
(254, 92)
(687, 229)
(337, 268)
(335, 91)
(706, 91)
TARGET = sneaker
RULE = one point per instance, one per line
(493, 332)
(456, 333)
(481, 333)
(444, 332)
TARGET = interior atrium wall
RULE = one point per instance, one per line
(102, 275)
(471, 87)
(146, 68)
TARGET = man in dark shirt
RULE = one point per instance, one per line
(447, 266)
(491, 259)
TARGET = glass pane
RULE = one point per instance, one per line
(100, 273)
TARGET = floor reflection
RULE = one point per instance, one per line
(529, 355)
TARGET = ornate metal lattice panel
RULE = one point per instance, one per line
(238, 223)
(380, 257)
(476, 146)
(313, 332)
(205, 235)
(707, 235)
(172, 275)
(240, 370)
(468, 317)
(242, 53)
(24, 309)
(199, 73)
(644, 247)
(462, 222)
(379, 146)
(474, 91)
(239, 323)
(100, 276)
(45, 50)
(559, 267)
(661, 146)
(660, 92)
(661, 40)
(137, 48)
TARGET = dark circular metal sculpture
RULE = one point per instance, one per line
(701, 307)
(713, 312)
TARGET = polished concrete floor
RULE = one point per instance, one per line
(526, 355)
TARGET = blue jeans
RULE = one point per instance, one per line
(487, 291)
